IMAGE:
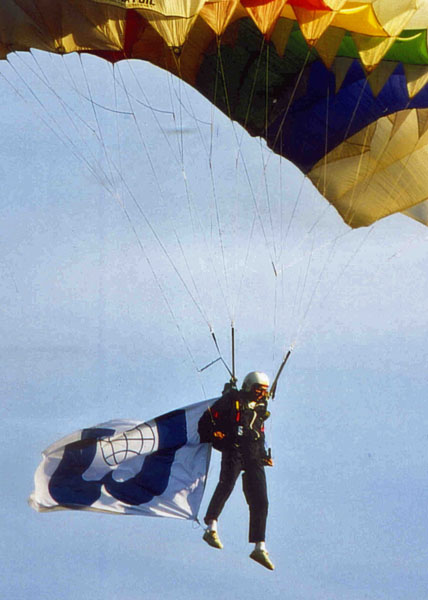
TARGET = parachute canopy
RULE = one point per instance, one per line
(337, 87)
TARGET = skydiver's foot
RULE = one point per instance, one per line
(262, 557)
(212, 539)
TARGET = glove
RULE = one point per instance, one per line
(229, 386)
(219, 435)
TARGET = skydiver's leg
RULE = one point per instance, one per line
(231, 466)
(255, 491)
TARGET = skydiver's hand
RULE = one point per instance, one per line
(219, 434)
(268, 461)
(229, 386)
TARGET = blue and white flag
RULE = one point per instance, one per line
(156, 468)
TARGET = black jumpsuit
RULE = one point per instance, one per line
(243, 449)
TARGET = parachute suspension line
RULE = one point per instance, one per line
(195, 287)
(240, 154)
(326, 140)
(223, 79)
(303, 322)
(154, 274)
(152, 110)
(335, 283)
(291, 219)
(304, 178)
(198, 302)
(303, 316)
(346, 266)
(180, 116)
(215, 196)
(142, 140)
(310, 231)
(267, 89)
(256, 207)
(323, 245)
(243, 271)
(181, 137)
(101, 137)
(303, 288)
(210, 364)
(278, 280)
(266, 186)
(186, 110)
(169, 79)
(297, 307)
(149, 224)
(186, 187)
(221, 241)
(145, 104)
(182, 165)
(165, 252)
(213, 336)
(275, 317)
(274, 257)
(219, 77)
(158, 240)
(64, 137)
(213, 104)
(416, 238)
(220, 355)
(280, 285)
(78, 93)
(354, 112)
(350, 213)
(280, 133)
(220, 68)
(193, 210)
(345, 135)
(118, 137)
(253, 87)
(277, 136)
(162, 292)
(403, 163)
(158, 283)
(210, 254)
(291, 99)
(66, 107)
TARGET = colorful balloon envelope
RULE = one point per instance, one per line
(337, 87)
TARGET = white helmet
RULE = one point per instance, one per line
(254, 378)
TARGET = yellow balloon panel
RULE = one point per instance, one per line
(377, 172)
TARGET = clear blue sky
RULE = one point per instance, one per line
(107, 299)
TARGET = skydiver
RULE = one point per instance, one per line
(235, 426)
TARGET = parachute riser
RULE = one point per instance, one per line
(233, 354)
(278, 375)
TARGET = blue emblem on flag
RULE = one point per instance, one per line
(69, 487)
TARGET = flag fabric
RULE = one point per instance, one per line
(156, 468)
